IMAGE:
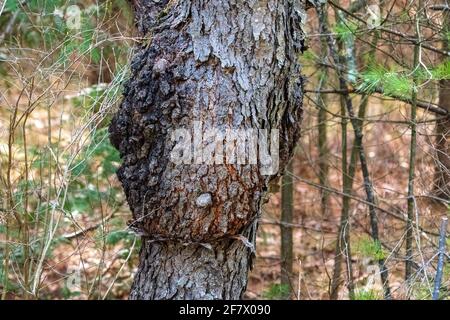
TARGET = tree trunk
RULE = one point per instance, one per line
(203, 65)
(442, 175)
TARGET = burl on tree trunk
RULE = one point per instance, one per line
(227, 64)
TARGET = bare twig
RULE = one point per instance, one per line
(428, 106)
(82, 232)
(440, 7)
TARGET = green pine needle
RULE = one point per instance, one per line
(345, 30)
(392, 83)
(442, 71)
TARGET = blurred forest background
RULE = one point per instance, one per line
(360, 218)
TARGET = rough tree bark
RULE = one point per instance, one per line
(228, 64)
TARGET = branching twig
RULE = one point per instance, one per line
(428, 106)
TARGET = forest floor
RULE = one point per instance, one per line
(386, 143)
(100, 263)
(315, 236)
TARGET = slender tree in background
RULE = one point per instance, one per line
(442, 176)
(412, 160)
(228, 64)
(287, 210)
(343, 62)
(343, 247)
(322, 139)
(368, 186)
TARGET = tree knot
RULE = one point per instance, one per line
(160, 66)
(204, 200)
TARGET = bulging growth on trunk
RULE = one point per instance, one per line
(205, 66)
